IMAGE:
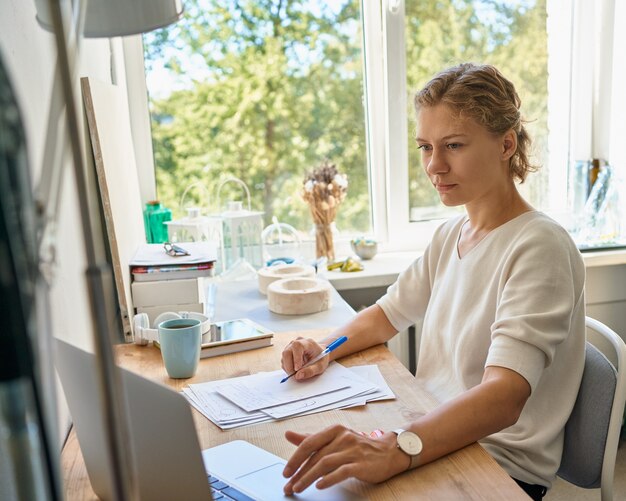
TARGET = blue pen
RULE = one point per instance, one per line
(335, 344)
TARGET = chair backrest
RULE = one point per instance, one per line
(593, 429)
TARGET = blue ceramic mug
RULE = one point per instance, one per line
(180, 340)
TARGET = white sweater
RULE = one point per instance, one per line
(515, 300)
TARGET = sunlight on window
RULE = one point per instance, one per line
(263, 91)
(510, 35)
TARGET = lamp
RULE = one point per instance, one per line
(102, 18)
(118, 18)
(241, 229)
(195, 226)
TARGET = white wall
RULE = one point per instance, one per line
(29, 54)
(605, 291)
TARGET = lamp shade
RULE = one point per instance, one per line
(118, 18)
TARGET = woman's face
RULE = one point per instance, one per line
(465, 162)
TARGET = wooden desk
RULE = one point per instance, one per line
(467, 474)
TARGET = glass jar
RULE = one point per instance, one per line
(154, 218)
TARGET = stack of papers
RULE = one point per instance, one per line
(151, 263)
(261, 397)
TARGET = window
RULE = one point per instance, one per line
(510, 35)
(264, 91)
(267, 90)
(423, 37)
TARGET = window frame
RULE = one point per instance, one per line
(571, 47)
(384, 52)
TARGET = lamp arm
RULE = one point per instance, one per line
(49, 188)
(98, 271)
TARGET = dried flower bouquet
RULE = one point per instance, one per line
(324, 189)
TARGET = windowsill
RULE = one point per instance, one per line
(383, 270)
(604, 257)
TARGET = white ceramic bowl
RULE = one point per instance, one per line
(365, 249)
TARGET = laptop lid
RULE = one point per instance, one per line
(169, 462)
(162, 432)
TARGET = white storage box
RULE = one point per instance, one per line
(168, 292)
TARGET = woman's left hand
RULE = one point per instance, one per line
(338, 453)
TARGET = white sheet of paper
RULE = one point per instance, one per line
(372, 374)
(262, 391)
(356, 386)
(222, 409)
(224, 425)
(369, 372)
(219, 408)
(226, 414)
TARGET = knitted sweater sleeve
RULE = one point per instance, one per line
(407, 299)
(540, 286)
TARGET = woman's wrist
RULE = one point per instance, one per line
(403, 460)
(400, 461)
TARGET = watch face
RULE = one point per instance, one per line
(410, 443)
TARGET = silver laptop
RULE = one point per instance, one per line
(169, 462)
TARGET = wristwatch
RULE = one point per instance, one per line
(409, 443)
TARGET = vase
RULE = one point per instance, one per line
(324, 246)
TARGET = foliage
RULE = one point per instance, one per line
(443, 33)
(277, 87)
(283, 91)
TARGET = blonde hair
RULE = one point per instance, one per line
(482, 93)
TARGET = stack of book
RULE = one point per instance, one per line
(156, 273)
(163, 283)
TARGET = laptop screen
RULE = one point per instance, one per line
(162, 432)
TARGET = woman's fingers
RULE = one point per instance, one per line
(294, 437)
(303, 467)
(286, 359)
(338, 453)
(307, 446)
(330, 468)
(341, 473)
(312, 370)
(291, 358)
(297, 353)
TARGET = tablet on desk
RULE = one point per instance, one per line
(232, 336)
(233, 331)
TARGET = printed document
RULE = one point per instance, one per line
(261, 397)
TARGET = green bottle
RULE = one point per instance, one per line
(154, 218)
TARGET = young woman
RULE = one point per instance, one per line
(499, 292)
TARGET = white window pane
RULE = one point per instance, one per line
(264, 91)
(509, 34)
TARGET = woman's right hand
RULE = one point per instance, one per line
(298, 352)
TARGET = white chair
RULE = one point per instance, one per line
(593, 429)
